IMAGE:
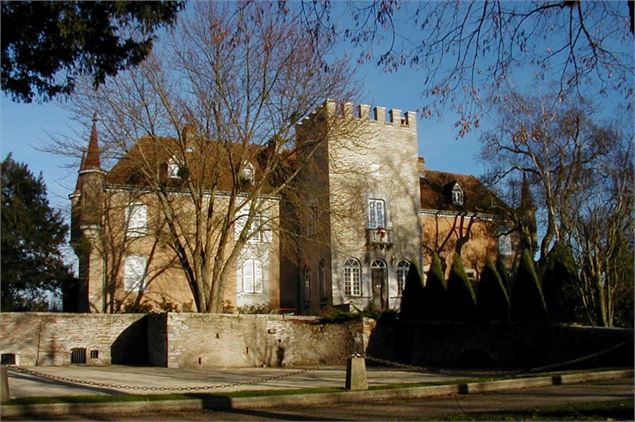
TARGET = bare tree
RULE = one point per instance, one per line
(556, 148)
(602, 239)
(206, 129)
(469, 52)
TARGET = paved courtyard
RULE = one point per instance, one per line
(27, 385)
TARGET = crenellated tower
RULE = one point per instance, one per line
(86, 225)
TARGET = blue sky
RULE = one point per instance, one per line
(25, 128)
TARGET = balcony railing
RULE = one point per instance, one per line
(379, 237)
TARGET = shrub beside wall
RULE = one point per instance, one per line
(528, 302)
(413, 298)
(435, 292)
(460, 296)
(492, 298)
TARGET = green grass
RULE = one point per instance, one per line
(589, 411)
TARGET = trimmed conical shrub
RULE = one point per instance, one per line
(503, 273)
(461, 298)
(559, 278)
(413, 298)
(528, 303)
(435, 292)
(492, 300)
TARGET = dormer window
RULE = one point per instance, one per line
(248, 172)
(457, 194)
(173, 168)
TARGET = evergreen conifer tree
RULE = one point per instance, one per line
(528, 303)
(461, 298)
(413, 298)
(503, 273)
(435, 292)
(559, 278)
(492, 298)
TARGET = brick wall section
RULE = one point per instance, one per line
(257, 340)
(47, 338)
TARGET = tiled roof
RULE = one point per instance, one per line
(155, 153)
(436, 187)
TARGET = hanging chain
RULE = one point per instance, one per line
(254, 381)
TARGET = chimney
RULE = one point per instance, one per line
(422, 167)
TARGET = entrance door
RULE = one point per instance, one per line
(379, 280)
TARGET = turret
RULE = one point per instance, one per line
(90, 183)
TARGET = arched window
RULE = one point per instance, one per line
(402, 272)
(378, 264)
(249, 278)
(352, 278)
(457, 194)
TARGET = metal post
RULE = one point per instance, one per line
(356, 373)
(4, 384)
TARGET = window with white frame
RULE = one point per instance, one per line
(376, 213)
(402, 272)
(136, 220)
(248, 172)
(260, 227)
(457, 194)
(352, 278)
(173, 168)
(471, 275)
(250, 277)
(134, 273)
(505, 244)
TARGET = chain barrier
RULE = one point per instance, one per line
(253, 381)
(262, 380)
(496, 372)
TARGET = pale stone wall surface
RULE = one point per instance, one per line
(258, 340)
(47, 338)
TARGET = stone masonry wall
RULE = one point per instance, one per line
(258, 340)
(47, 338)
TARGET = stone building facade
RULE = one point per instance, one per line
(361, 210)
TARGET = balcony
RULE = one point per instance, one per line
(379, 237)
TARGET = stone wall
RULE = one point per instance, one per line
(210, 340)
(48, 338)
(257, 340)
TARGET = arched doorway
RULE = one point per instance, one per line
(379, 282)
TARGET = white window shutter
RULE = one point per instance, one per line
(239, 224)
(134, 272)
(239, 279)
(248, 276)
(257, 276)
(137, 219)
(381, 219)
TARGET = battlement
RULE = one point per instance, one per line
(376, 115)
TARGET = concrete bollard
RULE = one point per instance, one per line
(4, 384)
(356, 373)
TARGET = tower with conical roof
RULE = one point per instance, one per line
(86, 225)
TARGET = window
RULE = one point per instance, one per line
(136, 219)
(248, 172)
(352, 278)
(376, 214)
(134, 275)
(311, 227)
(260, 227)
(457, 194)
(471, 275)
(307, 284)
(402, 272)
(94, 354)
(173, 168)
(8, 359)
(505, 244)
(249, 278)
(322, 279)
